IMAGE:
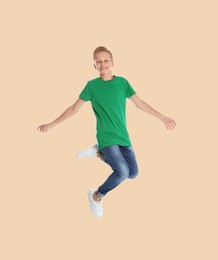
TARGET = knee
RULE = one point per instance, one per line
(123, 172)
(133, 173)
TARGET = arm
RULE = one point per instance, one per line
(169, 123)
(70, 111)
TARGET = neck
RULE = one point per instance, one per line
(107, 76)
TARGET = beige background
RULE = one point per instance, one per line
(168, 52)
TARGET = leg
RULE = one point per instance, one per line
(114, 157)
(123, 162)
(129, 155)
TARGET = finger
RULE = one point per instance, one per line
(171, 126)
(167, 126)
(173, 123)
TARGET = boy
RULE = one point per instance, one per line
(108, 94)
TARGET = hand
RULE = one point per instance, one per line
(169, 123)
(44, 128)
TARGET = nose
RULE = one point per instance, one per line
(102, 65)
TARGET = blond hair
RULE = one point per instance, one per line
(100, 49)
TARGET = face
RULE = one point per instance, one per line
(103, 62)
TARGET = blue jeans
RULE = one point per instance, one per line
(123, 163)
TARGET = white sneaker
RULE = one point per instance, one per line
(88, 152)
(96, 206)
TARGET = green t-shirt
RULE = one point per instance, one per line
(108, 99)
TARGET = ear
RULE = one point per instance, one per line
(94, 66)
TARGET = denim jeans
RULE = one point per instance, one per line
(123, 162)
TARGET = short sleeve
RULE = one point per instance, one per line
(86, 93)
(129, 90)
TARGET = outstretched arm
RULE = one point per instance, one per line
(169, 123)
(70, 111)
